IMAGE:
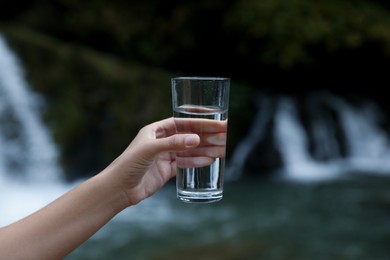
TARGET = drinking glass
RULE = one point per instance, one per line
(200, 106)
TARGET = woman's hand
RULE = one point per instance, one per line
(150, 160)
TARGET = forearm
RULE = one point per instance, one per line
(143, 168)
(57, 229)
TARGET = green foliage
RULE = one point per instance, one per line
(172, 33)
(284, 32)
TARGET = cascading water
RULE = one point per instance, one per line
(163, 228)
(26, 143)
(30, 177)
(246, 146)
(29, 174)
(292, 142)
(337, 138)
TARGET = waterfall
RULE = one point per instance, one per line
(247, 145)
(292, 142)
(367, 147)
(29, 174)
(334, 138)
(26, 142)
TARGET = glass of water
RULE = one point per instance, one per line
(200, 106)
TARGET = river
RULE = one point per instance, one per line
(347, 218)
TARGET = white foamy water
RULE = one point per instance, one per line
(339, 138)
(19, 199)
(29, 175)
(368, 149)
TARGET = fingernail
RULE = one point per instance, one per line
(191, 140)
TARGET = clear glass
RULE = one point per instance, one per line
(200, 105)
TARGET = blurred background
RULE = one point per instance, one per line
(308, 164)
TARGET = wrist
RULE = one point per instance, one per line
(113, 191)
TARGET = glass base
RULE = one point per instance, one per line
(199, 196)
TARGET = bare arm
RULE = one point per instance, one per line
(60, 227)
(57, 229)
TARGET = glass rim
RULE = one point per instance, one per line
(200, 78)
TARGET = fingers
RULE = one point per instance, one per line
(164, 127)
(213, 139)
(209, 151)
(212, 132)
(192, 150)
(193, 162)
(189, 155)
(211, 145)
(195, 125)
(191, 141)
(175, 143)
(190, 145)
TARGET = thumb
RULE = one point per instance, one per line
(177, 142)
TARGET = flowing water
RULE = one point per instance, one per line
(344, 217)
(29, 174)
